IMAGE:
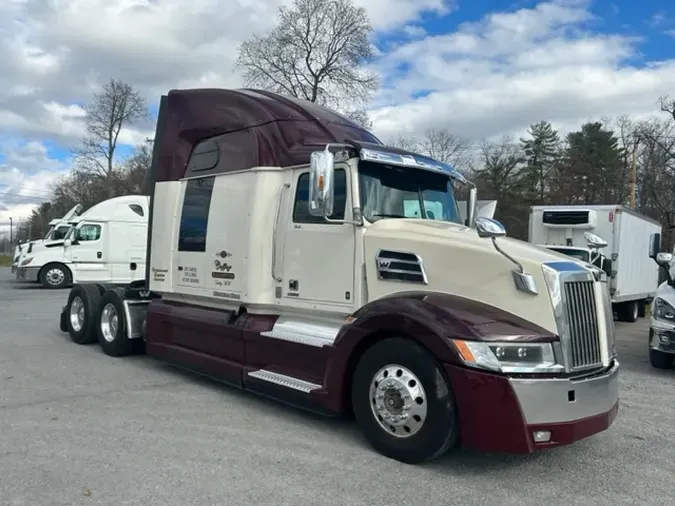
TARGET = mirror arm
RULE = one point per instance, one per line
(521, 270)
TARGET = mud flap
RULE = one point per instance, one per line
(63, 320)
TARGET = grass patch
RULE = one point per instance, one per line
(5, 261)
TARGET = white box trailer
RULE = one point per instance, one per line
(633, 276)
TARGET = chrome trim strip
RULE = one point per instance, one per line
(282, 192)
(284, 381)
(310, 333)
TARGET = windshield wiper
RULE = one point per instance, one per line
(388, 215)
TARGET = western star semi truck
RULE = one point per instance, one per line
(614, 238)
(291, 254)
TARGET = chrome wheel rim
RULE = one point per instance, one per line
(77, 314)
(109, 322)
(55, 276)
(398, 401)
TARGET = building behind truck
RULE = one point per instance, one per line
(614, 238)
(105, 244)
(287, 257)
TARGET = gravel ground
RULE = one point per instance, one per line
(78, 427)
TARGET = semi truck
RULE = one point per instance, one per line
(662, 322)
(58, 228)
(290, 254)
(103, 245)
(614, 238)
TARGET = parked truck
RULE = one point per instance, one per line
(105, 244)
(283, 260)
(612, 237)
(58, 228)
(662, 323)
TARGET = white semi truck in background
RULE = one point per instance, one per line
(58, 228)
(105, 244)
(612, 237)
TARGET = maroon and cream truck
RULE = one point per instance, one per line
(293, 255)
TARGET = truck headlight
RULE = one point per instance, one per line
(27, 261)
(509, 357)
(663, 310)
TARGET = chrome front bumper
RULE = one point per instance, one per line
(560, 400)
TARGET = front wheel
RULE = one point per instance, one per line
(55, 276)
(403, 402)
(660, 360)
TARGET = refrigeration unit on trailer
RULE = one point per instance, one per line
(58, 228)
(614, 238)
(106, 244)
(287, 256)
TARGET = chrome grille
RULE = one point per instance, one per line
(582, 320)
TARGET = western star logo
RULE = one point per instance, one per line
(383, 264)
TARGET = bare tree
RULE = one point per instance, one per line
(116, 106)
(317, 52)
(439, 144)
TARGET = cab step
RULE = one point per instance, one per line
(284, 380)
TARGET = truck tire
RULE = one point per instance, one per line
(403, 401)
(111, 326)
(660, 360)
(628, 311)
(55, 276)
(81, 313)
(642, 308)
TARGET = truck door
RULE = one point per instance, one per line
(88, 252)
(318, 263)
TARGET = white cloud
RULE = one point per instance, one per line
(487, 77)
(508, 70)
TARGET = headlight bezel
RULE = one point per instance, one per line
(484, 355)
(659, 306)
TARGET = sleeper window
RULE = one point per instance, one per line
(194, 219)
(301, 206)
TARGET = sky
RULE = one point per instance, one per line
(480, 68)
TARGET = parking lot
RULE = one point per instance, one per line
(79, 427)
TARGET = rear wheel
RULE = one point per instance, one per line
(112, 325)
(81, 313)
(403, 401)
(629, 311)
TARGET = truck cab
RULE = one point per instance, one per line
(662, 322)
(293, 255)
(58, 228)
(105, 244)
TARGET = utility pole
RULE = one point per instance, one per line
(11, 241)
(633, 173)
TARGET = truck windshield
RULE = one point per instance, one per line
(574, 253)
(401, 192)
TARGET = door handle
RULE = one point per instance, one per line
(99, 254)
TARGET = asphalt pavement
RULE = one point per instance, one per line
(79, 427)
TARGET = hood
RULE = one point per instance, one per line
(458, 262)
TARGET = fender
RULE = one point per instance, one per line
(431, 318)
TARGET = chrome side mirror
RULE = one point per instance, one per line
(594, 241)
(489, 228)
(654, 245)
(471, 205)
(663, 259)
(321, 189)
